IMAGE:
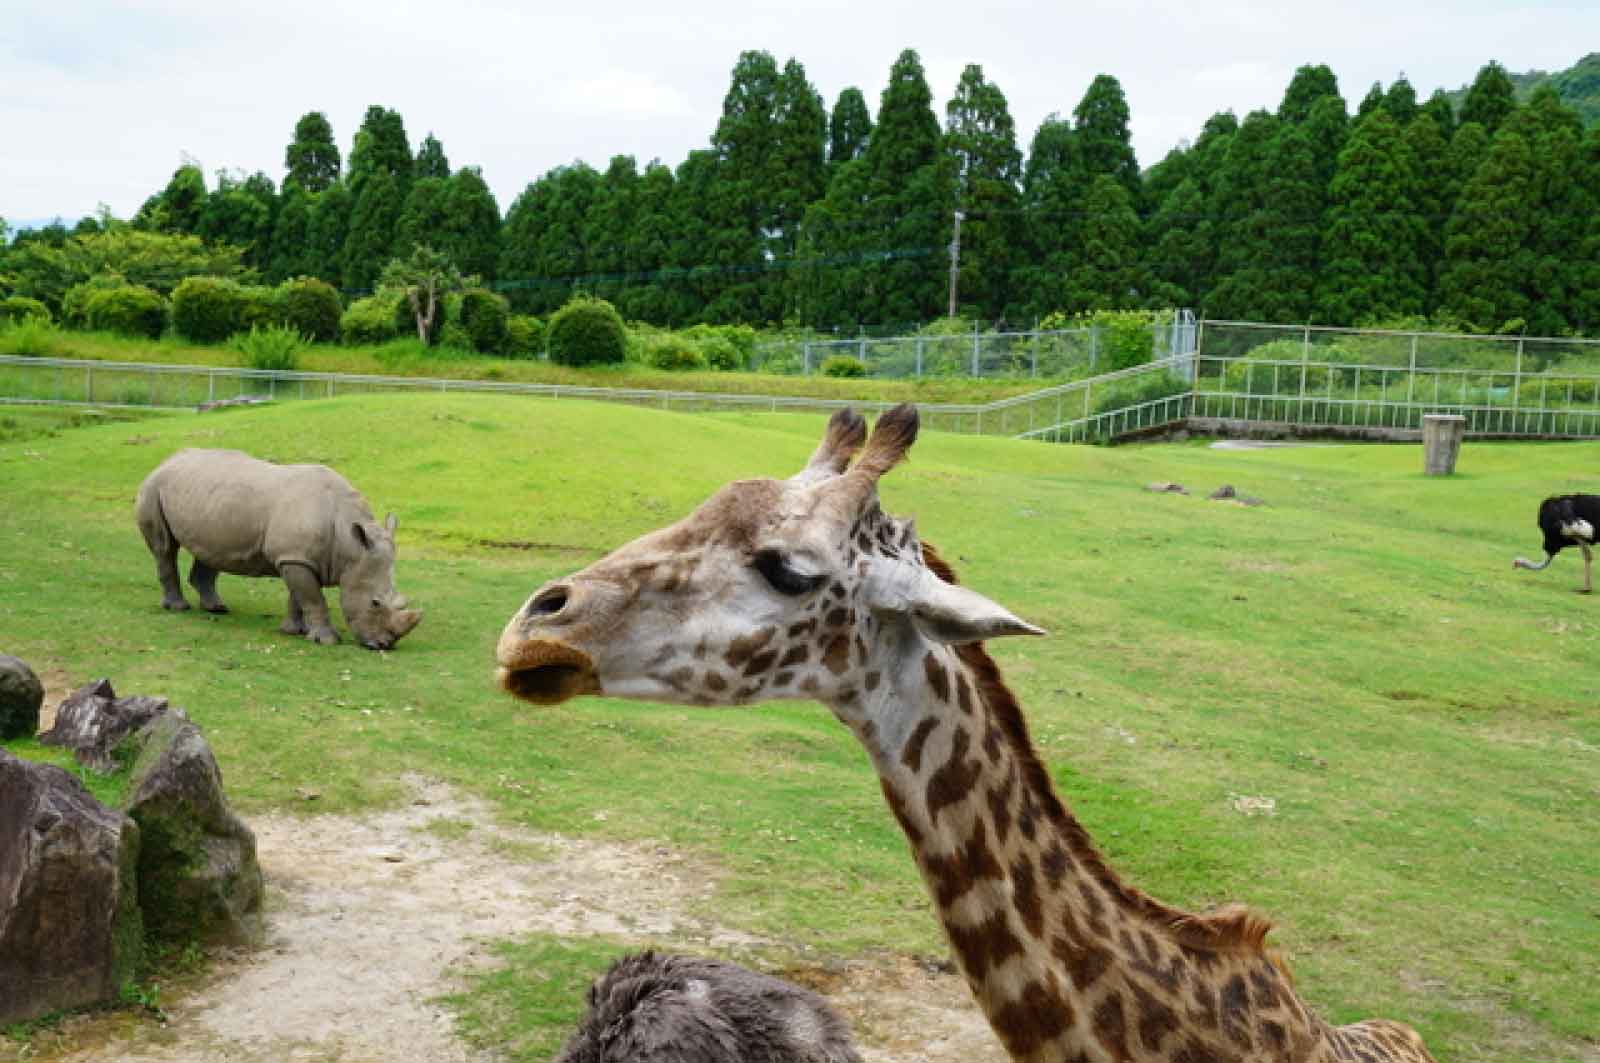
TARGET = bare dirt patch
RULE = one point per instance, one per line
(368, 918)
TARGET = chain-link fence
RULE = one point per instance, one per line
(1049, 354)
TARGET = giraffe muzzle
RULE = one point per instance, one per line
(545, 672)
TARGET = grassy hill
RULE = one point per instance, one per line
(1358, 650)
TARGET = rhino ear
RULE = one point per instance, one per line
(359, 530)
(391, 523)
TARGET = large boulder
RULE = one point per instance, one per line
(21, 695)
(71, 931)
(92, 722)
(198, 873)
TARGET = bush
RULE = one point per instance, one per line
(587, 331)
(31, 337)
(1140, 388)
(370, 320)
(844, 365)
(672, 351)
(209, 309)
(456, 338)
(524, 336)
(272, 347)
(405, 318)
(725, 347)
(484, 316)
(20, 307)
(311, 307)
(75, 301)
(131, 310)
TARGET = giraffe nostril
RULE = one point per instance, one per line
(548, 602)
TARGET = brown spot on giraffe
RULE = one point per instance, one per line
(911, 757)
(938, 678)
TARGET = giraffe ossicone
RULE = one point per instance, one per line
(805, 588)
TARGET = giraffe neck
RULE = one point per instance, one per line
(1065, 959)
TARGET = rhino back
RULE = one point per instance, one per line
(245, 516)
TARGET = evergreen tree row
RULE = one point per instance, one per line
(1486, 219)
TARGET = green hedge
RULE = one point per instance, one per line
(371, 320)
(311, 307)
(587, 331)
(483, 315)
(131, 310)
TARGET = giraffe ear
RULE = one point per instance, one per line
(847, 430)
(952, 614)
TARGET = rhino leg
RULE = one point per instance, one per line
(164, 547)
(203, 578)
(294, 621)
(307, 609)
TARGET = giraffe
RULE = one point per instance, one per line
(804, 588)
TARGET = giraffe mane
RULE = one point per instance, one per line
(1232, 927)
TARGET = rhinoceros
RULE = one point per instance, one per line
(303, 523)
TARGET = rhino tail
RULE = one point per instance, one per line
(153, 520)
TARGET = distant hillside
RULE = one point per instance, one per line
(1578, 87)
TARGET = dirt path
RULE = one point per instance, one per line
(367, 918)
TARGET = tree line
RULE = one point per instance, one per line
(1483, 217)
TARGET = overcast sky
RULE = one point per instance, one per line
(100, 100)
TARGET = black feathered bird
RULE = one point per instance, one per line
(1567, 520)
(655, 1008)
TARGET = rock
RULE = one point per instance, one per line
(1166, 486)
(70, 926)
(198, 874)
(21, 696)
(1226, 493)
(93, 721)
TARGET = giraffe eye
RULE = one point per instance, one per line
(774, 567)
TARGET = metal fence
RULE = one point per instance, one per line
(1380, 379)
(1033, 354)
(79, 382)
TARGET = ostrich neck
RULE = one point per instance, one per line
(1065, 959)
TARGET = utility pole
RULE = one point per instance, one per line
(955, 260)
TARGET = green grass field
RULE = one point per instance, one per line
(1358, 650)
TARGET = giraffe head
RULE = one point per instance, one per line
(797, 588)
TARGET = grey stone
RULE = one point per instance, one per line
(198, 873)
(21, 696)
(93, 722)
(70, 925)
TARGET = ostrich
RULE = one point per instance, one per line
(654, 1008)
(1567, 520)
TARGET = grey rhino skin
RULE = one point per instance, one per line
(303, 523)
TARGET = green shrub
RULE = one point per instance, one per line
(273, 347)
(75, 301)
(455, 337)
(19, 307)
(672, 351)
(131, 310)
(724, 347)
(1138, 389)
(524, 336)
(587, 331)
(844, 365)
(31, 337)
(405, 318)
(484, 316)
(311, 307)
(208, 309)
(371, 320)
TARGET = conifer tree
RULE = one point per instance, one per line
(1490, 100)
(839, 284)
(369, 243)
(381, 147)
(292, 254)
(330, 224)
(606, 227)
(1372, 101)
(1104, 143)
(471, 233)
(1309, 84)
(1105, 272)
(519, 247)
(911, 197)
(240, 212)
(1485, 240)
(1327, 125)
(1443, 113)
(1560, 212)
(652, 292)
(1401, 101)
(1584, 312)
(1243, 187)
(849, 128)
(981, 141)
(1373, 267)
(430, 160)
(796, 178)
(1433, 199)
(311, 159)
(422, 217)
(738, 193)
(1052, 205)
